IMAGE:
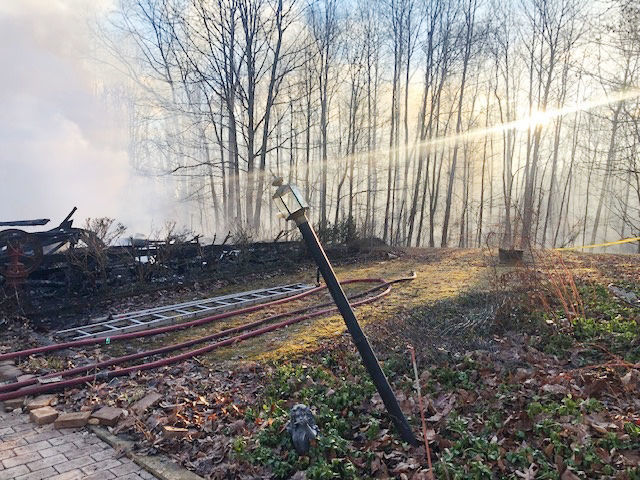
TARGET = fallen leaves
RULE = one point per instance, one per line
(529, 474)
(442, 406)
(599, 424)
(568, 475)
(555, 389)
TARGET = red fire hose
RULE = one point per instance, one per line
(171, 328)
(156, 331)
(178, 346)
(38, 389)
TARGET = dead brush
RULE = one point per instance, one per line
(544, 284)
(558, 286)
(91, 260)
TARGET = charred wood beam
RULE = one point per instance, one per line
(25, 223)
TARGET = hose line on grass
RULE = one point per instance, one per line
(23, 389)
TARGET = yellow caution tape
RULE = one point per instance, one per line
(617, 242)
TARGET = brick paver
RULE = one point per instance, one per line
(32, 452)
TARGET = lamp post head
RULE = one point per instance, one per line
(290, 201)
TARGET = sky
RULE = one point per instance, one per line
(61, 144)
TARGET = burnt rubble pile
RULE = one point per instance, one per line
(82, 271)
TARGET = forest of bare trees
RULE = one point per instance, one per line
(422, 122)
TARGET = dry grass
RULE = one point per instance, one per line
(441, 274)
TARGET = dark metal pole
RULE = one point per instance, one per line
(366, 352)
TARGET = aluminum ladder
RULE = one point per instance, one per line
(169, 314)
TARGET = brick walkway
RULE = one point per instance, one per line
(31, 452)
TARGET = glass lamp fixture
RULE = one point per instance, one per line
(290, 201)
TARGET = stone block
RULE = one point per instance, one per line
(9, 373)
(11, 405)
(43, 416)
(72, 420)
(147, 402)
(108, 416)
(41, 401)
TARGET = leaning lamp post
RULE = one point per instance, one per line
(293, 206)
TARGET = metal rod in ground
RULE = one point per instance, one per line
(364, 348)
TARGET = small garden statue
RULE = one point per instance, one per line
(302, 428)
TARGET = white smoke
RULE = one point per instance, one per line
(61, 143)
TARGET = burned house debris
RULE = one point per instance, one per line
(22, 253)
(74, 261)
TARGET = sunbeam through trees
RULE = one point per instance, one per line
(422, 122)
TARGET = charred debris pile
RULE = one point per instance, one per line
(68, 266)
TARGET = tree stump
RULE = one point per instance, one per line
(510, 256)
